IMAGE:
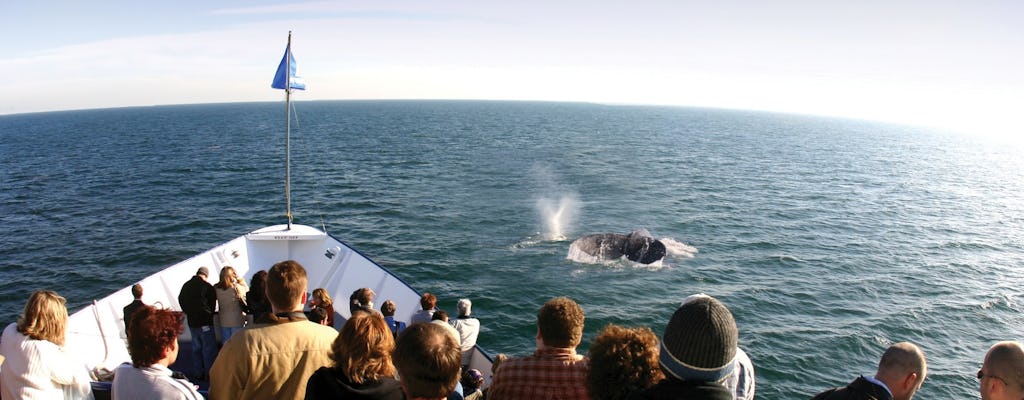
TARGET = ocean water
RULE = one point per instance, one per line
(828, 239)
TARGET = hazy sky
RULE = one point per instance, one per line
(956, 64)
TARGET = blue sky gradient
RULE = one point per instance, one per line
(952, 64)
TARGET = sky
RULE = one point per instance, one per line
(957, 64)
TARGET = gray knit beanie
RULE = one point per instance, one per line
(699, 343)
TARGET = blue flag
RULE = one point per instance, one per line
(279, 79)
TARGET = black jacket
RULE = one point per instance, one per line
(328, 383)
(198, 300)
(129, 310)
(859, 389)
(672, 389)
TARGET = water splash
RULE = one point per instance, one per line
(678, 249)
(557, 216)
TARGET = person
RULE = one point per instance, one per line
(35, 365)
(468, 328)
(134, 305)
(317, 316)
(198, 300)
(153, 346)
(554, 370)
(388, 309)
(498, 360)
(697, 354)
(622, 360)
(901, 371)
(428, 302)
(322, 300)
(472, 384)
(274, 360)
(1001, 376)
(428, 361)
(362, 367)
(231, 291)
(362, 300)
(256, 298)
(440, 318)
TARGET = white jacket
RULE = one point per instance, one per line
(38, 369)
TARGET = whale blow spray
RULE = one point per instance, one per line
(557, 215)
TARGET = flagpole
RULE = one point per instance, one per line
(287, 131)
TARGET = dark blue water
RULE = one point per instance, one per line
(828, 239)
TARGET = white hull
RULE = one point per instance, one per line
(96, 333)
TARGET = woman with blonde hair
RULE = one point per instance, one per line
(321, 299)
(35, 365)
(231, 291)
(362, 363)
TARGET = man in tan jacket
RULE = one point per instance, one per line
(274, 360)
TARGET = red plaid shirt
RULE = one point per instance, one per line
(549, 374)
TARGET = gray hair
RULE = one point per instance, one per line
(465, 307)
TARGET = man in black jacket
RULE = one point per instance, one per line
(198, 300)
(133, 306)
(900, 374)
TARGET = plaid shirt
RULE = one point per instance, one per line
(549, 374)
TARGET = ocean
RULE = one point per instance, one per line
(829, 239)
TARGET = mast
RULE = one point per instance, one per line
(287, 132)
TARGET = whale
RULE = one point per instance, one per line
(637, 246)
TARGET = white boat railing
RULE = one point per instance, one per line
(96, 334)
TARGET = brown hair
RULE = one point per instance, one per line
(45, 317)
(622, 360)
(150, 332)
(428, 301)
(362, 350)
(428, 359)
(286, 283)
(137, 291)
(560, 322)
(321, 295)
(388, 308)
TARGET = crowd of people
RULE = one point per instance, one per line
(289, 352)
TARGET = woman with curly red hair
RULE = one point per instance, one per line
(153, 346)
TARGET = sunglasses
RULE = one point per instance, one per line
(982, 375)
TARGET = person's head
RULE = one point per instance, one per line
(153, 336)
(362, 350)
(318, 315)
(439, 315)
(465, 307)
(622, 361)
(228, 277)
(1002, 373)
(498, 359)
(560, 323)
(361, 299)
(45, 317)
(388, 308)
(902, 369)
(203, 272)
(322, 298)
(137, 291)
(259, 283)
(472, 380)
(428, 301)
(286, 286)
(699, 342)
(428, 360)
